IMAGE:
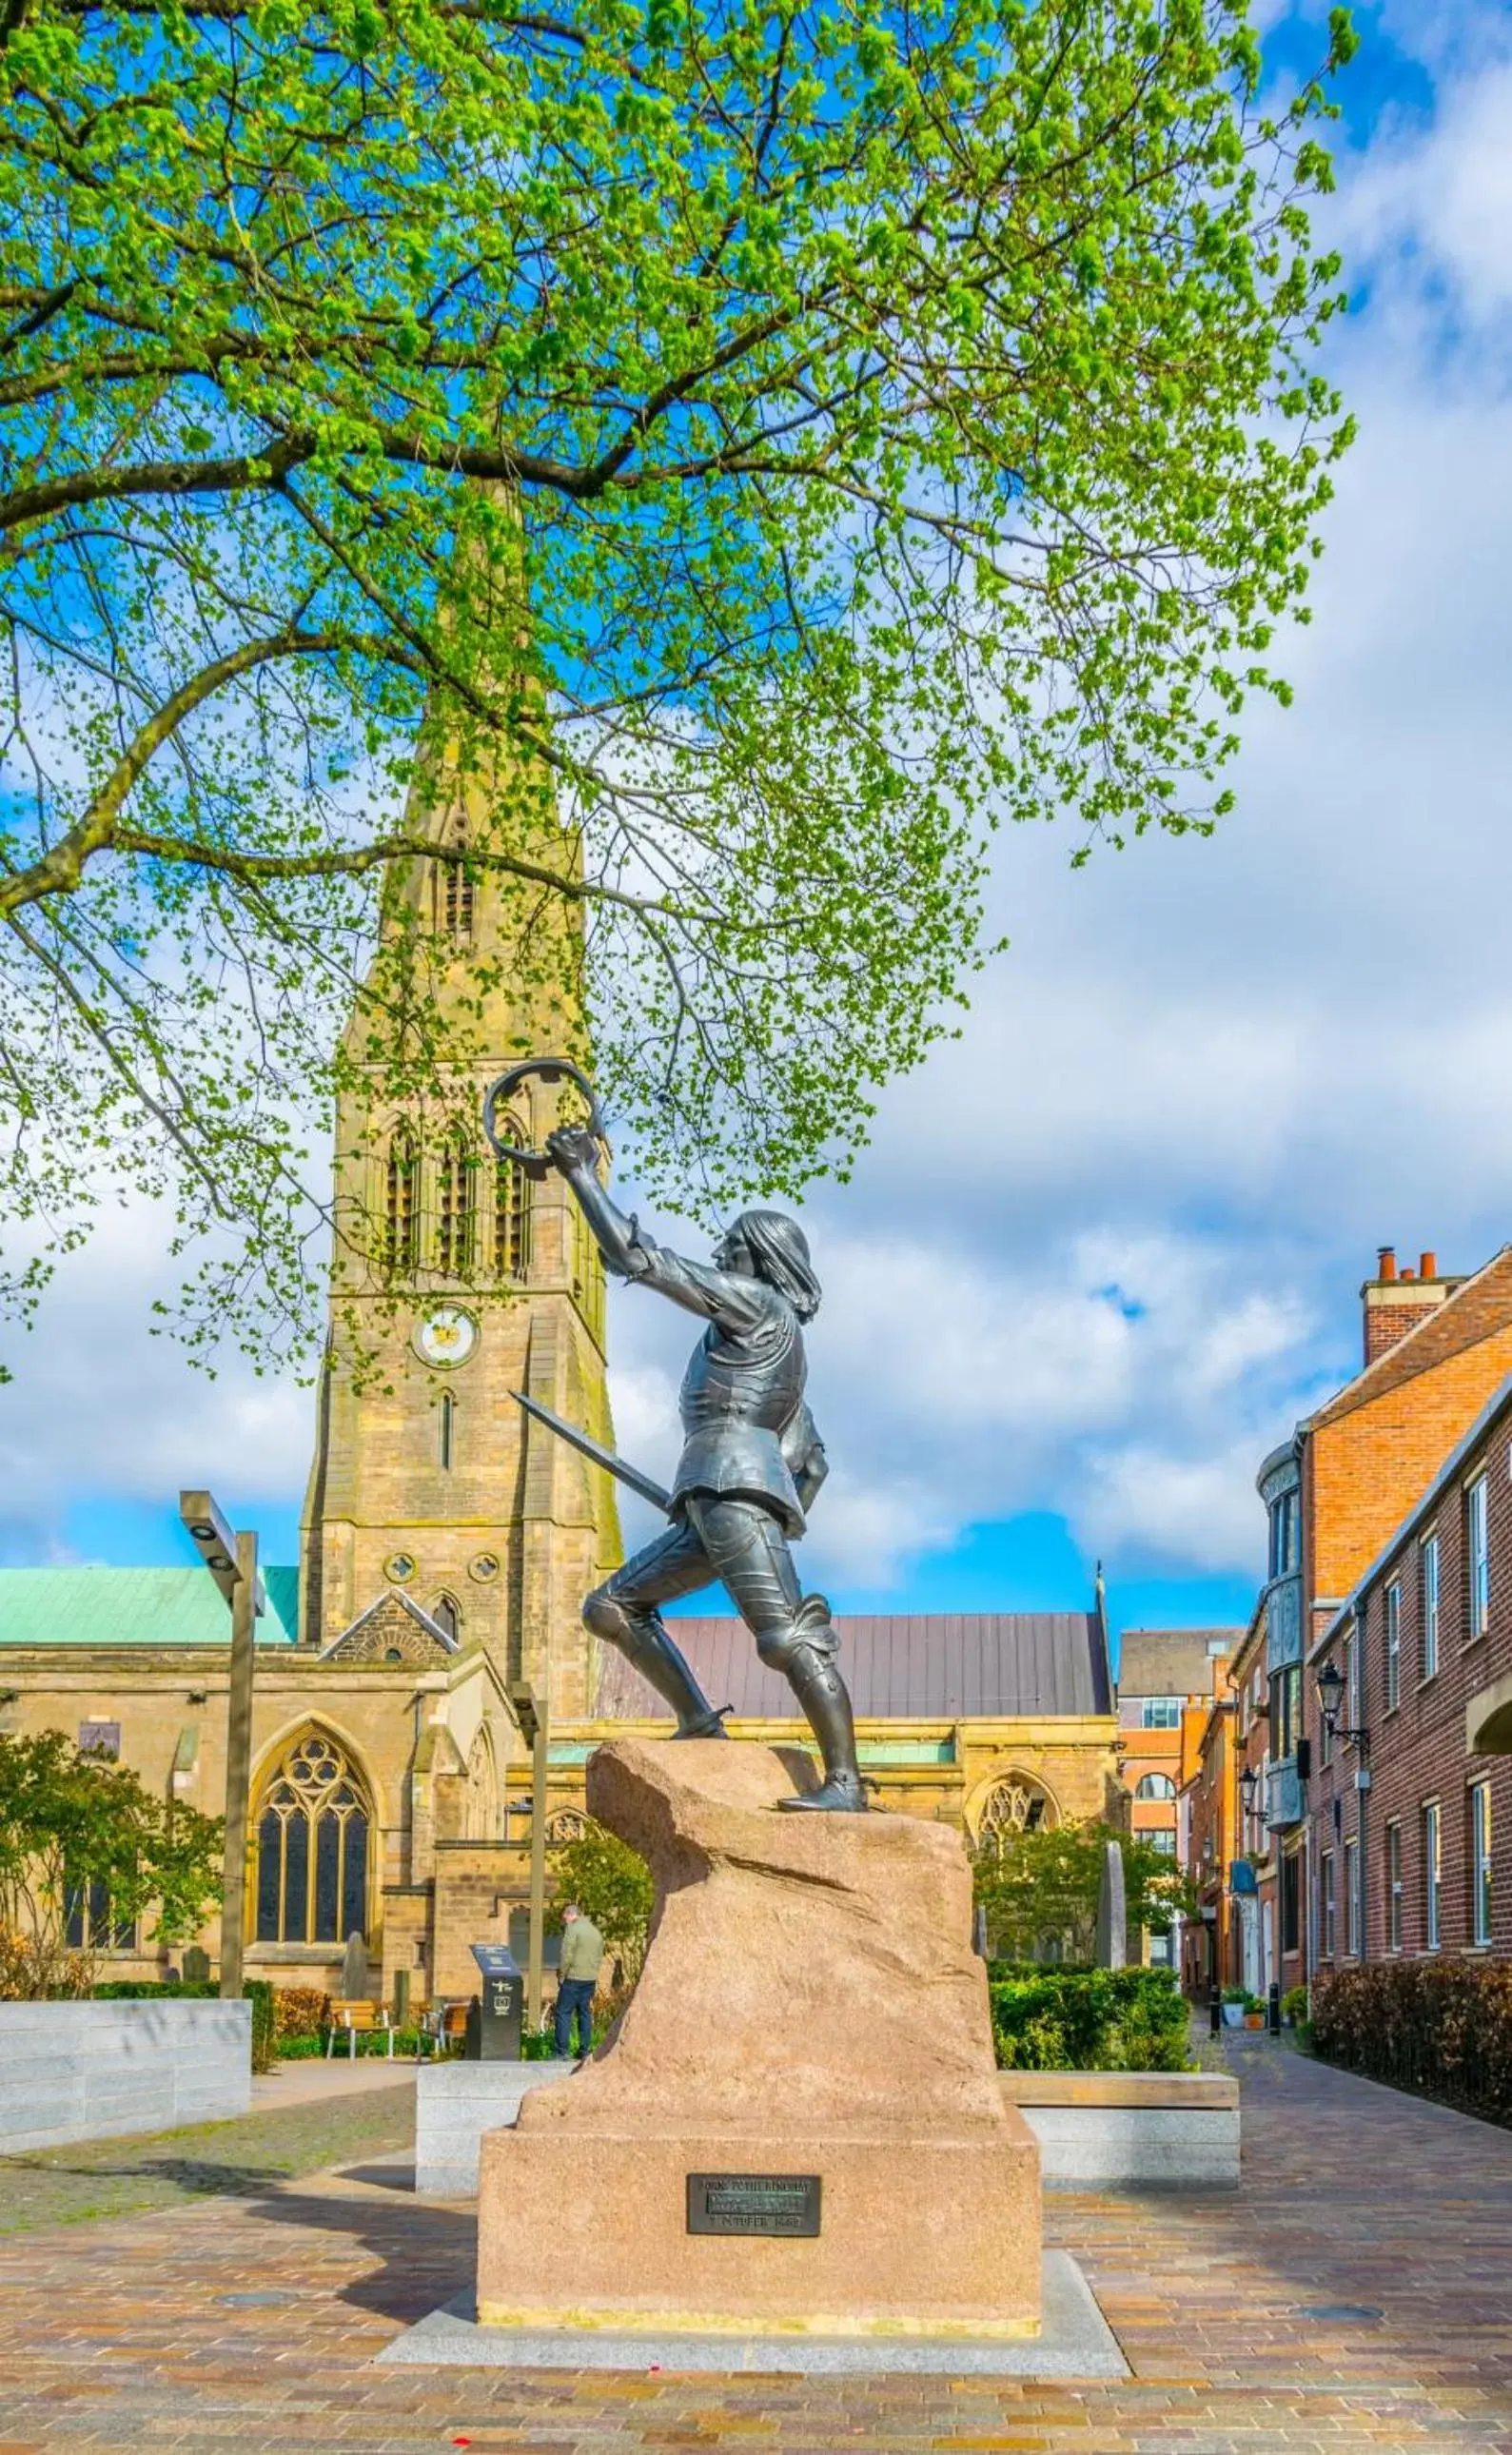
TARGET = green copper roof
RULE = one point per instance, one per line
(135, 1607)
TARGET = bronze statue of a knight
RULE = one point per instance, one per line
(751, 1461)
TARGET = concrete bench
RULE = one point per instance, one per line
(1114, 2130)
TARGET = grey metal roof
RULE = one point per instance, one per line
(928, 1666)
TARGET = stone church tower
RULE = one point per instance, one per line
(433, 1502)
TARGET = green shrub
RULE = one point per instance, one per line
(131, 1990)
(1443, 2027)
(300, 2012)
(298, 2050)
(1294, 2005)
(264, 2041)
(1059, 2019)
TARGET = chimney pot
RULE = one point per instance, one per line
(1428, 1266)
(1386, 1262)
(1409, 1274)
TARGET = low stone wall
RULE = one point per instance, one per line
(90, 2071)
(1117, 2130)
(455, 2103)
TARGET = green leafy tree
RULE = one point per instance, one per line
(1040, 1889)
(70, 1823)
(611, 1883)
(769, 445)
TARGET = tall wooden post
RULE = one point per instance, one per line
(239, 1764)
(532, 1982)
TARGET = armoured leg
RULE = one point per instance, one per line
(622, 1610)
(748, 1550)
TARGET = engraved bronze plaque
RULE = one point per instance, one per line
(777, 2204)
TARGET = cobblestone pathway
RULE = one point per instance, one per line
(1249, 2320)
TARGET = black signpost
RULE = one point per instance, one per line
(493, 2017)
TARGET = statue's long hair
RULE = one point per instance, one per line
(780, 1251)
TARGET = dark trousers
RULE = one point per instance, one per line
(574, 1997)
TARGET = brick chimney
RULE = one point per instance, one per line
(1395, 1301)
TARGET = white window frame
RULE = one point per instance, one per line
(1148, 1705)
(1393, 1645)
(1479, 1862)
(1393, 1886)
(1478, 1552)
(1326, 1895)
(1351, 1898)
(1432, 1826)
(1431, 1591)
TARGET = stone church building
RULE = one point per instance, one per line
(446, 1544)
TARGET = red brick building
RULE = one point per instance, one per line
(1436, 1349)
(1411, 1787)
(1164, 1674)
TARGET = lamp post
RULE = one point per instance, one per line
(232, 1559)
(1330, 1684)
(530, 1712)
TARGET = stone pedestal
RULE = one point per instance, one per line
(810, 2007)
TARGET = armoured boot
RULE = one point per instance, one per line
(816, 1684)
(642, 1638)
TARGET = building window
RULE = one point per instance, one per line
(1393, 1888)
(455, 1209)
(1160, 1713)
(447, 1617)
(1163, 1841)
(1352, 1898)
(1392, 1647)
(1478, 1552)
(1481, 1863)
(401, 1209)
(312, 1838)
(1432, 1876)
(1283, 1533)
(1155, 1785)
(1291, 1902)
(1286, 1697)
(88, 1925)
(1325, 1900)
(446, 1441)
(1430, 1608)
(452, 892)
(1013, 1805)
(512, 1211)
(1354, 1653)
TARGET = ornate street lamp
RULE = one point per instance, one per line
(1330, 1684)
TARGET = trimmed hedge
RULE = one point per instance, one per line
(1061, 2019)
(1441, 2027)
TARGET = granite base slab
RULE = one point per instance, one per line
(1074, 2340)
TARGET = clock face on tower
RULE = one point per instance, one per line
(445, 1336)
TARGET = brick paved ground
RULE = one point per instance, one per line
(251, 2324)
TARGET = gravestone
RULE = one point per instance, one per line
(1113, 1930)
(355, 1969)
(196, 1965)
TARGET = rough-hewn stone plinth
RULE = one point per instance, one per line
(809, 2005)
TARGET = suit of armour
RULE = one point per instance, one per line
(751, 1461)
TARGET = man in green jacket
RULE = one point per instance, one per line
(578, 1974)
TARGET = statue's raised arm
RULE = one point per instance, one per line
(751, 1461)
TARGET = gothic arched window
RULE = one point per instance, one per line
(453, 893)
(314, 1831)
(1014, 1805)
(456, 1209)
(512, 1208)
(447, 1617)
(401, 1202)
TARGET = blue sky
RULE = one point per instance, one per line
(1107, 1247)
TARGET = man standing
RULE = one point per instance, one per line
(578, 1974)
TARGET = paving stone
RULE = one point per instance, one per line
(158, 2328)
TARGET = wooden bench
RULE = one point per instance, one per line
(359, 2017)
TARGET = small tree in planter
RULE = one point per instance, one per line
(70, 1823)
(1039, 1889)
